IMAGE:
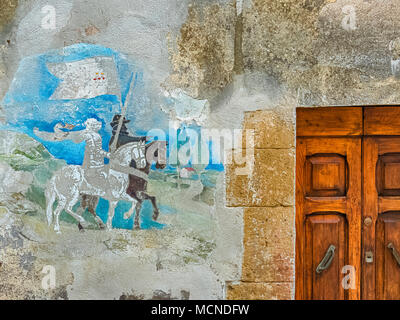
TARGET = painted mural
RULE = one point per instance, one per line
(81, 158)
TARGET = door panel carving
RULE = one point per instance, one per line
(348, 202)
(325, 283)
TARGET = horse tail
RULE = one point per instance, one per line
(50, 194)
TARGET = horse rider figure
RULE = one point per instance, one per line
(124, 134)
(95, 172)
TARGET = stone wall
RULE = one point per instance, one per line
(254, 62)
(324, 53)
(268, 200)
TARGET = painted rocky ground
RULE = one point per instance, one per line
(183, 241)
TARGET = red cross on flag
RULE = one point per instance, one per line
(85, 79)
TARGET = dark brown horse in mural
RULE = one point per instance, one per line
(137, 189)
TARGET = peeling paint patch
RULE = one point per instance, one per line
(91, 30)
(161, 295)
(131, 296)
(11, 239)
(7, 12)
(26, 261)
(185, 295)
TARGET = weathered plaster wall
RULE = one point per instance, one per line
(202, 248)
(254, 61)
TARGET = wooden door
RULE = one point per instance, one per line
(381, 212)
(328, 201)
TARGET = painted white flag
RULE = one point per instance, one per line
(86, 78)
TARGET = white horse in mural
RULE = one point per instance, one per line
(69, 183)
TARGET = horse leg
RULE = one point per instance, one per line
(100, 222)
(68, 208)
(81, 210)
(111, 212)
(156, 212)
(129, 213)
(132, 197)
(137, 214)
(90, 202)
(61, 204)
(145, 196)
(138, 199)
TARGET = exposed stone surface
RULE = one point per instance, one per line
(311, 47)
(260, 291)
(7, 11)
(268, 244)
(272, 128)
(278, 35)
(270, 184)
(204, 61)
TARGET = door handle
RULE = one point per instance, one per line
(394, 252)
(327, 259)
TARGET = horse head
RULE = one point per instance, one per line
(156, 151)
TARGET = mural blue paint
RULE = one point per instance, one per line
(28, 102)
(73, 84)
